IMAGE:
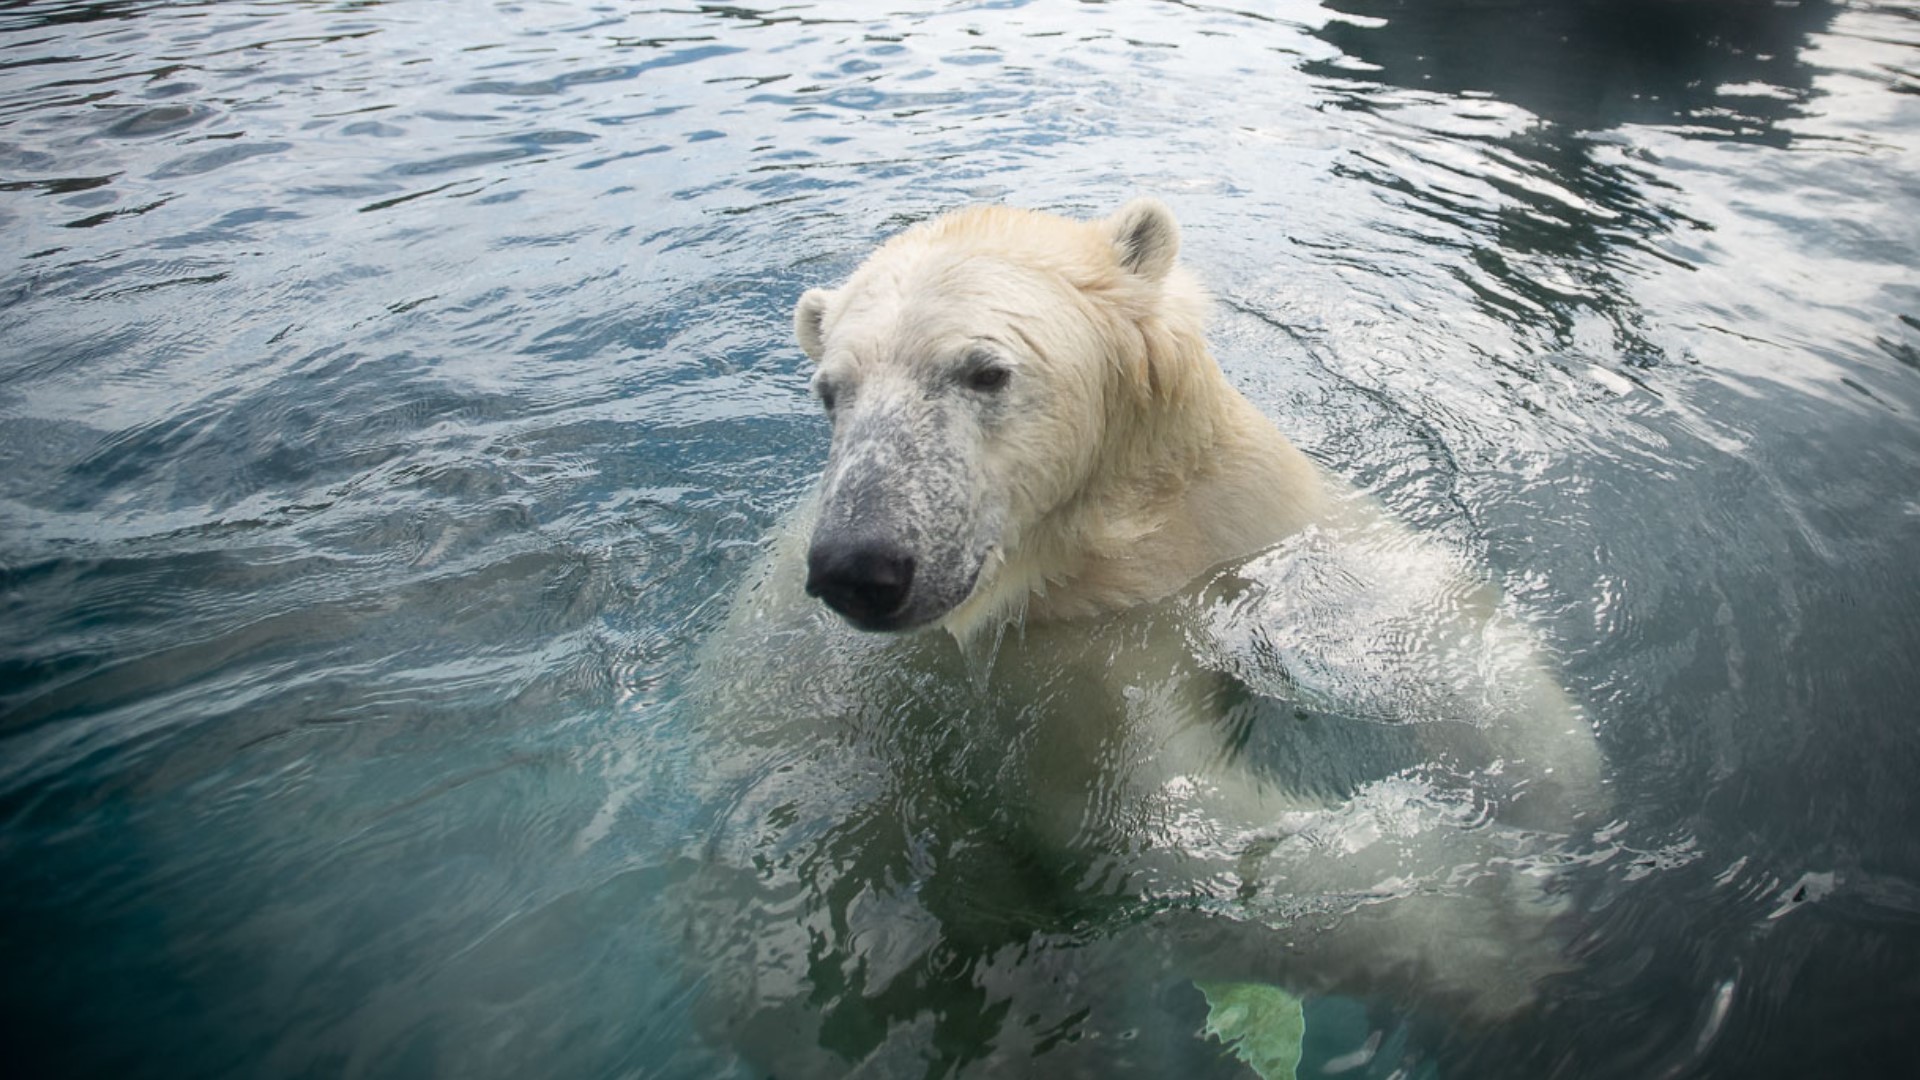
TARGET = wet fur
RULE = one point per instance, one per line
(1131, 581)
(1119, 463)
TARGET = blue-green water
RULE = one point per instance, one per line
(391, 393)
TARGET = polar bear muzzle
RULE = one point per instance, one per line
(898, 542)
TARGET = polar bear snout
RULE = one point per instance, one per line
(904, 511)
(867, 580)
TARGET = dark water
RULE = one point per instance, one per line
(390, 393)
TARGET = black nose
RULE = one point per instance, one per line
(865, 580)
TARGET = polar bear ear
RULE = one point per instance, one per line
(809, 321)
(1145, 237)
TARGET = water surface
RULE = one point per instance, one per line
(391, 393)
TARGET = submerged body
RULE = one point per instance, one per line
(1167, 671)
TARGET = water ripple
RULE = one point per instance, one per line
(391, 395)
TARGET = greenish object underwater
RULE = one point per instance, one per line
(1263, 1025)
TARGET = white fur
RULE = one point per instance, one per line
(1149, 559)
(1131, 466)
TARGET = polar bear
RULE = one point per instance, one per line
(1099, 633)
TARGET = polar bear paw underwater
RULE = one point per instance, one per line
(1068, 619)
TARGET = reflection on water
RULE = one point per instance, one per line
(391, 392)
(1551, 199)
(1718, 69)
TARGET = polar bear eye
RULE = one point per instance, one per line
(987, 378)
(826, 392)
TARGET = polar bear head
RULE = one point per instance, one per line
(992, 378)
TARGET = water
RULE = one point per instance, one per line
(391, 394)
